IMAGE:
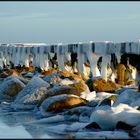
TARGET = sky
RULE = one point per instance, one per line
(69, 21)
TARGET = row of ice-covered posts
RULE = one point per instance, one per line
(40, 54)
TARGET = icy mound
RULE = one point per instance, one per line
(128, 96)
(10, 87)
(31, 94)
(107, 117)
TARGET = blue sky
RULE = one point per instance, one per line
(69, 22)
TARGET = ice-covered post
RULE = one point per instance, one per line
(101, 48)
(81, 59)
(60, 57)
(93, 58)
(43, 58)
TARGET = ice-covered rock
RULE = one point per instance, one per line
(104, 86)
(108, 117)
(58, 90)
(88, 96)
(30, 101)
(80, 86)
(52, 78)
(123, 126)
(49, 71)
(31, 94)
(61, 102)
(72, 76)
(135, 132)
(67, 81)
(10, 88)
(128, 96)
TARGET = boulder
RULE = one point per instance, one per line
(135, 132)
(101, 85)
(60, 103)
(108, 100)
(33, 91)
(121, 76)
(72, 76)
(128, 96)
(58, 90)
(93, 125)
(49, 71)
(4, 75)
(30, 101)
(80, 86)
(14, 72)
(107, 117)
(10, 88)
(53, 78)
(124, 126)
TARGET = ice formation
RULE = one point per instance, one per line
(41, 53)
